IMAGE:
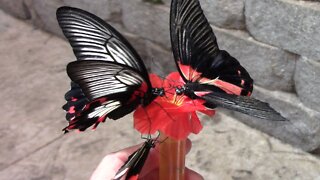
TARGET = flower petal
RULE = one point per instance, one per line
(182, 125)
(150, 119)
(195, 123)
(174, 115)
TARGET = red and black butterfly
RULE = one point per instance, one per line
(209, 73)
(109, 79)
(135, 162)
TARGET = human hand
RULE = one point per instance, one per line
(111, 163)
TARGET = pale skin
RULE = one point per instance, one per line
(111, 163)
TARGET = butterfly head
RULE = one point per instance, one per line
(180, 90)
(149, 97)
(158, 92)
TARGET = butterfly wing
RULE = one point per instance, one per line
(215, 72)
(243, 104)
(197, 54)
(113, 90)
(135, 162)
(93, 39)
(76, 101)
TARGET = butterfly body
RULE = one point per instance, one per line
(135, 162)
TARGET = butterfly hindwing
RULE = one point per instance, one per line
(105, 79)
(113, 90)
(76, 101)
(93, 113)
(243, 104)
(197, 54)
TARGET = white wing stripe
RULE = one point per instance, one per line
(102, 110)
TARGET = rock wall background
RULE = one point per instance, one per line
(277, 41)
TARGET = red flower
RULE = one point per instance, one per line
(174, 115)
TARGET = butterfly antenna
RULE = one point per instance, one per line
(170, 80)
(142, 137)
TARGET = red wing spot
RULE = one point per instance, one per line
(139, 92)
(95, 126)
(239, 72)
(201, 93)
(73, 99)
(71, 110)
(228, 87)
(101, 119)
(143, 87)
(71, 127)
(100, 100)
(133, 96)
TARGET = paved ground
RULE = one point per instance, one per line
(33, 82)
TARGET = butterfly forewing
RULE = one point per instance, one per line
(93, 39)
(243, 104)
(197, 54)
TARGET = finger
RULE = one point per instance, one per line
(126, 152)
(188, 145)
(107, 168)
(192, 175)
(111, 163)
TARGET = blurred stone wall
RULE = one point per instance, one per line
(277, 41)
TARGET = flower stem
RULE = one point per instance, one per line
(172, 158)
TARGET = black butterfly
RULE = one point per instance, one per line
(109, 79)
(135, 162)
(209, 73)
